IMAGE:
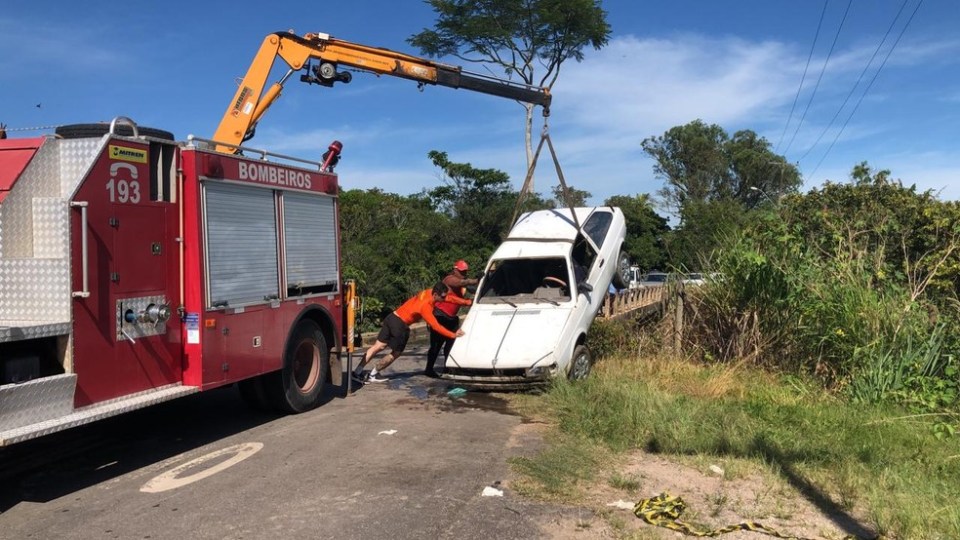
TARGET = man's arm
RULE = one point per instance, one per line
(455, 282)
(454, 299)
(427, 313)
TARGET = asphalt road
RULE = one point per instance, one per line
(206, 466)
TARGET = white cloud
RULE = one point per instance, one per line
(650, 85)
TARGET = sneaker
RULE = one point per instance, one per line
(376, 377)
(432, 374)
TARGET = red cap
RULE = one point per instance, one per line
(461, 265)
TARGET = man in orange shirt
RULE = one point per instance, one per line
(395, 330)
(446, 312)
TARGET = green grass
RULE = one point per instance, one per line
(879, 460)
(559, 471)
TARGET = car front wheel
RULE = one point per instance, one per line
(581, 364)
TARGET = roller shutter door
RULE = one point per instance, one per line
(241, 245)
(311, 243)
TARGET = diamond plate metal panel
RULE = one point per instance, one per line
(77, 156)
(19, 330)
(35, 401)
(35, 290)
(16, 225)
(96, 412)
(51, 218)
(40, 179)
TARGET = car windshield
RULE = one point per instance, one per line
(521, 281)
(657, 277)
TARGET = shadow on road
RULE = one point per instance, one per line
(56, 465)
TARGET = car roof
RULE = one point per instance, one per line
(555, 224)
(515, 249)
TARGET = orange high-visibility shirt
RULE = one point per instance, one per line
(421, 307)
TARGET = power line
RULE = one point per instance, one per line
(820, 78)
(875, 75)
(856, 84)
(804, 77)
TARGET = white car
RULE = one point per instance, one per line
(539, 294)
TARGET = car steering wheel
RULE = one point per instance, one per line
(554, 282)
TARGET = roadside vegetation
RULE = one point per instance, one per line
(823, 353)
(881, 463)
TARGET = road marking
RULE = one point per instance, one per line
(172, 479)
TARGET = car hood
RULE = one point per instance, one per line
(503, 337)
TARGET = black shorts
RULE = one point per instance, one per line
(394, 333)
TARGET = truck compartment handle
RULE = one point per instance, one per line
(85, 293)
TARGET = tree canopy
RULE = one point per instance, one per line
(701, 163)
(519, 37)
(645, 230)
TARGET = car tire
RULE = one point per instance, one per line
(83, 131)
(580, 364)
(298, 386)
(621, 278)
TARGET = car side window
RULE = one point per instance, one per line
(597, 225)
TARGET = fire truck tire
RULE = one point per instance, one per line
(80, 131)
(298, 387)
(253, 394)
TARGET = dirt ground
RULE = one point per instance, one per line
(714, 498)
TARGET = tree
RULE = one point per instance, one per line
(700, 163)
(578, 197)
(518, 36)
(393, 245)
(645, 230)
(704, 225)
(757, 172)
(479, 203)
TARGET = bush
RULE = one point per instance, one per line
(853, 283)
(611, 337)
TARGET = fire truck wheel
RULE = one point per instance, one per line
(80, 131)
(299, 385)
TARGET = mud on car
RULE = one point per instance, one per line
(540, 292)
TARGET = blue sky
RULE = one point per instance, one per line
(738, 64)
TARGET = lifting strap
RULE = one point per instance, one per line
(544, 136)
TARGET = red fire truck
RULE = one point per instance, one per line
(135, 269)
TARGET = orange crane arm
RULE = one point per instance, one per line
(251, 102)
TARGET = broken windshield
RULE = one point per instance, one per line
(515, 281)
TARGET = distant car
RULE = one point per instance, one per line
(539, 294)
(656, 278)
(694, 278)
